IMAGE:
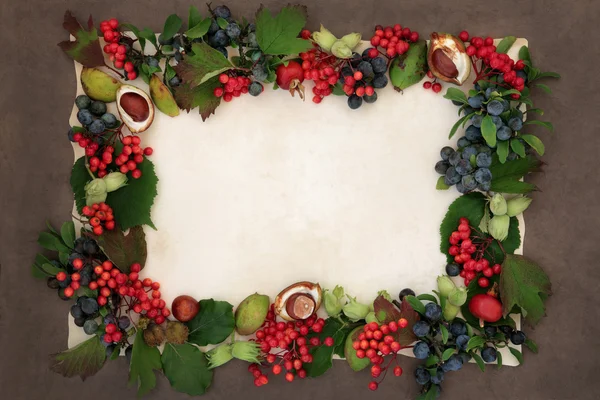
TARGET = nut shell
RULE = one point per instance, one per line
(447, 58)
(299, 296)
(135, 108)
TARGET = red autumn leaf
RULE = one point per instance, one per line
(386, 312)
(201, 96)
(85, 49)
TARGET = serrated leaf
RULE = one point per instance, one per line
(203, 64)
(447, 353)
(186, 368)
(201, 96)
(144, 361)
(517, 147)
(124, 250)
(474, 343)
(199, 30)
(194, 17)
(502, 151)
(505, 44)
(510, 185)
(535, 143)
(524, 54)
(479, 361)
(139, 192)
(67, 233)
(531, 345)
(524, 284)
(279, 35)
(172, 25)
(458, 123)
(322, 354)
(445, 332)
(488, 130)
(470, 206)
(85, 49)
(79, 178)
(518, 355)
(456, 95)
(441, 184)
(83, 360)
(516, 168)
(213, 324)
(545, 124)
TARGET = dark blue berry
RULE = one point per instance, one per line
(89, 305)
(422, 376)
(483, 175)
(380, 81)
(452, 269)
(441, 167)
(476, 120)
(490, 331)
(489, 354)
(461, 341)
(233, 30)
(454, 363)
(518, 337)
(379, 65)
(504, 133)
(85, 117)
(421, 350)
(90, 327)
(446, 152)
(222, 12)
(367, 69)
(97, 127)
(476, 101)
(124, 322)
(452, 177)
(406, 292)
(98, 108)
(152, 62)
(458, 328)
(109, 120)
(370, 99)
(421, 328)
(433, 312)
(473, 133)
(469, 182)
(255, 88)
(463, 167)
(463, 142)
(438, 377)
(515, 123)
(483, 160)
(468, 152)
(219, 39)
(495, 107)
(354, 102)
(454, 158)
(83, 102)
(76, 311)
(70, 135)
(214, 27)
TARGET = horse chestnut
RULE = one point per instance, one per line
(185, 308)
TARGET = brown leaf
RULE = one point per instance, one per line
(124, 250)
(85, 49)
(83, 360)
(201, 96)
(387, 312)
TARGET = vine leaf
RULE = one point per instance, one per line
(203, 64)
(202, 96)
(213, 324)
(79, 178)
(279, 34)
(524, 284)
(124, 250)
(186, 368)
(85, 49)
(83, 360)
(144, 360)
(322, 354)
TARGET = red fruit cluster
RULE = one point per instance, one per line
(484, 50)
(141, 296)
(321, 68)
(469, 252)
(131, 155)
(395, 40)
(75, 278)
(99, 164)
(112, 333)
(435, 86)
(377, 341)
(117, 52)
(100, 217)
(87, 143)
(232, 87)
(293, 346)
(109, 30)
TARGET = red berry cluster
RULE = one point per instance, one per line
(377, 341)
(292, 344)
(469, 252)
(88, 143)
(75, 278)
(433, 85)
(484, 50)
(98, 164)
(131, 155)
(100, 217)
(232, 87)
(323, 69)
(141, 296)
(117, 52)
(395, 40)
(112, 333)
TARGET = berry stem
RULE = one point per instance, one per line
(115, 71)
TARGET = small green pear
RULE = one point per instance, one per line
(162, 97)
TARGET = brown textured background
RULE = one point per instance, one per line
(36, 95)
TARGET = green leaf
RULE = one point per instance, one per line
(51, 242)
(548, 75)
(517, 147)
(444, 331)
(85, 49)
(483, 224)
(475, 342)
(79, 178)
(531, 345)
(124, 250)
(432, 360)
(357, 364)
(186, 367)
(63, 257)
(140, 192)
(199, 30)
(518, 355)
(136, 32)
(441, 184)
(144, 360)
(203, 64)
(545, 124)
(488, 130)
(51, 269)
(502, 150)
(470, 206)
(511, 185)
(169, 72)
(505, 44)
(415, 304)
(37, 272)
(222, 22)
(535, 143)
(510, 244)
(322, 354)
(545, 88)
(499, 359)
(67, 232)
(479, 361)
(172, 26)
(458, 123)
(506, 177)
(200, 96)
(535, 110)
(524, 54)
(278, 35)
(213, 324)
(337, 90)
(149, 35)
(194, 17)
(524, 284)
(116, 353)
(427, 297)
(447, 353)
(456, 95)
(83, 360)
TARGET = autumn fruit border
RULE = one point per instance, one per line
(479, 233)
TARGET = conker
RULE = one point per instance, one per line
(185, 308)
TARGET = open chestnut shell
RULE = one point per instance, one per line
(447, 58)
(298, 301)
